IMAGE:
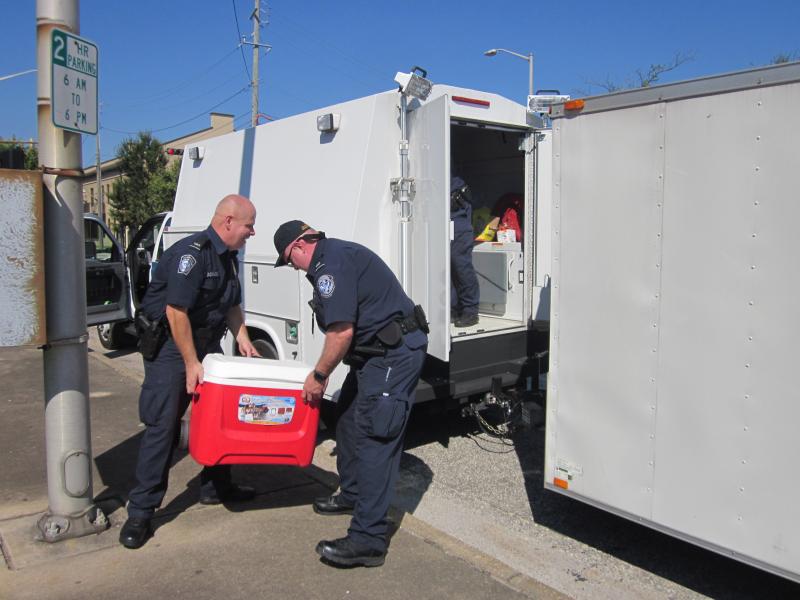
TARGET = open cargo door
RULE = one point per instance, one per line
(107, 293)
(429, 166)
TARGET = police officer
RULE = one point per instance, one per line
(372, 325)
(194, 294)
(464, 292)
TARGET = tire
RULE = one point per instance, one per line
(113, 336)
(265, 348)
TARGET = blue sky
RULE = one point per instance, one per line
(165, 62)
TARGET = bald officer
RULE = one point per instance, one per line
(372, 325)
(194, 295)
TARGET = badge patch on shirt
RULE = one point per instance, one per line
(186, 264)
(326, 285)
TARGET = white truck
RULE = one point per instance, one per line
(338, 168)
(665, 218)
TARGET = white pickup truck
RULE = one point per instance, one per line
(116, 280)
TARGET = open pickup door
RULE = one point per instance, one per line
(107, 285)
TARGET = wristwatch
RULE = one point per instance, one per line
(320, 377)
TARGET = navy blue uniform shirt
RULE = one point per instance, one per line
(353, 285)
(201, 278)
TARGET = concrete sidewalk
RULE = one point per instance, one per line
(264, 548)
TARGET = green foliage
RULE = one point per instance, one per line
(147, 186)
(32, 158)
(19, 156)
(161, 188)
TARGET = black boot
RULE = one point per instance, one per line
(345, 553)
(332, 505)
(135, 532)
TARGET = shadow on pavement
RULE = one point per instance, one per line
(687, 565)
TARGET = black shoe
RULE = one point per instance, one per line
(233, 493)
(332, 505)
(135, 532)
(344, 553)
(466, 320)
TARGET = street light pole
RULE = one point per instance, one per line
(529, 58)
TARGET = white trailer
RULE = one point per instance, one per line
(338, 168)
(672, 397)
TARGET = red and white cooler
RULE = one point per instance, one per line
(251, 411)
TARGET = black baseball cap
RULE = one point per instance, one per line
(285, 235)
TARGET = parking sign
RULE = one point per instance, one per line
(74, 82)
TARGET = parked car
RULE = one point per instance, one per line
(116, 281)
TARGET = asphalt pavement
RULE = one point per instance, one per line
(472, 519)
(263, 548)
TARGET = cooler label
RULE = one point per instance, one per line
(266, 410)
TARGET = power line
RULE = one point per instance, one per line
(241, 47)
(197, 116)
(172, 90)
(17, 74)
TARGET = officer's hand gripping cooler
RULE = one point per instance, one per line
(374, 327)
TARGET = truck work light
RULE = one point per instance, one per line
(328, 123)
(414, 85)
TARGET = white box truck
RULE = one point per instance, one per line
(672, 397)
(341, 169)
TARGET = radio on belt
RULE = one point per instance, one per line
(251, 411)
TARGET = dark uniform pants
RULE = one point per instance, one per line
(464, 292)
(162, 402)
(374, 406)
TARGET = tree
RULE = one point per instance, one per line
(32, 158)
(143, 166)
(162, 187)
(14, 155)
(643, 78)
(785, 57)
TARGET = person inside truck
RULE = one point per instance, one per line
(371, 325)
(192, 298)
(464, 291)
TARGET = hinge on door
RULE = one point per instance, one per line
(527, 143)
(402, 188)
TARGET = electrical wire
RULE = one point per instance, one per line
(241, 46)
(201, 114)
(314, 36)
(174, 89)
(186, 102)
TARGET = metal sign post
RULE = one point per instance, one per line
(66, 108)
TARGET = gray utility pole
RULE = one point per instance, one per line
(100, 210)
(256, 37)
(71, 512)
(256, 16)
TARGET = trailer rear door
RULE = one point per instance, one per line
(429, 166)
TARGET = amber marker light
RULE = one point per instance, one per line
(573, 105)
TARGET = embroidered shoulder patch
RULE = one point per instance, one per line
(186, 264)
(326, 285)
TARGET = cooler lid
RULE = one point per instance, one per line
(219, 366)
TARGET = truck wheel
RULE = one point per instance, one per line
(265, 348)
(113, 336)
